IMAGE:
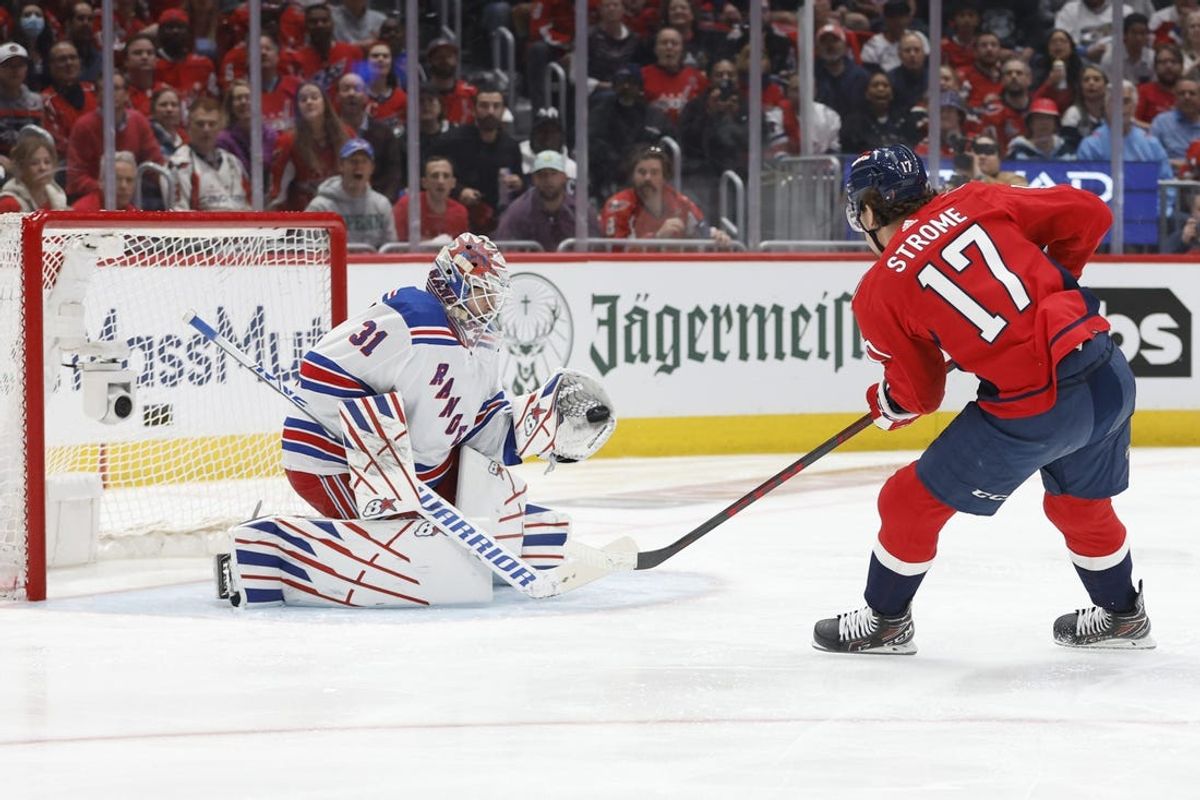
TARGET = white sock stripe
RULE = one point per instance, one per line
(1098, 563)
(905, 568)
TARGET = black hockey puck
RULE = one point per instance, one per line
(598, 414)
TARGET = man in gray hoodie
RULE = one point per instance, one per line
(367, 213)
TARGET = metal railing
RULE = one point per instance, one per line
(166, 179)
(567, 245)
(555, 83)
(735, 226)
(819, 245)
(802, 199)
(504, 60)
(676, 160)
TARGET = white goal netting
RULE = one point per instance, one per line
(201, 447)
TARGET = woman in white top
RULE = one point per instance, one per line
(33, 187)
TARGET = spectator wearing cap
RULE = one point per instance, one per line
(125, 171)
(36, 35)
(19, 106)
(1139, 57)
(234, 138)
(486, 159)
(551, 39)
(356, 24)
(441, 215)
(190, 73)
(308, 153)
(81, 33)
(840, 81)
(547, 134)
(668, 84)
(982, 80)
(1158, 95)
(953, 115)
(32, 186)
(1042, 142)
(611, 45)
(619, 123)
(1178, 127)
(207, 178)
(958, 49)
(323, 60)
(883, 49)
(387, 146)
(457, 96)
(140, 58)
(652, 209)
(87, 140)
(910, 80)
(67, 97)
(367, 213)
(546, 213)
(1008, 120)
(386, 101)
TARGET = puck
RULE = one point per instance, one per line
(598, 414)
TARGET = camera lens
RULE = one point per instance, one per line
(122, 406)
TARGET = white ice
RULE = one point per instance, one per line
(695, 679)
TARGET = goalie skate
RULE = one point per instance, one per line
(223, 574)
(1100, 629)
(864, 631)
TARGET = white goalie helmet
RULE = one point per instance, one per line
(470, 277)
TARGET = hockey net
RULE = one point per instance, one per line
(200, 449)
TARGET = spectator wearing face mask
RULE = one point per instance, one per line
(36, 37)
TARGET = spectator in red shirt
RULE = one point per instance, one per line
(1158, 95)
(958, 49)
(33, 186)
(87, 141)
(667, 84)
(458, 96)
(125, 170)
(281, 19)
(140, 58)
(322, 60)
(191, 74)
(1008, 121)
(67, 97)
(387, 101)
(441, 215)
(307, 154)
(652, 208)
(982, 79)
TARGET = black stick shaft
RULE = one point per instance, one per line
(652, 558)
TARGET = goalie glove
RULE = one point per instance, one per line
(885, 413)
(567, 419)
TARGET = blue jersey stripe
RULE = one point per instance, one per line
(311, 452)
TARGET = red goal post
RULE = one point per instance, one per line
(84, 295)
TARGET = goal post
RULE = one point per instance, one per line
(103, 384)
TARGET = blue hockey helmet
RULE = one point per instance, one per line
(895, 171)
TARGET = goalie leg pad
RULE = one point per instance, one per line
(546, 533)
(397, 563)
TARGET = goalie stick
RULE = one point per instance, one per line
(588, 565)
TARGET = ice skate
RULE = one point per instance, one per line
(1099, 628)
(864, 631)
(227, 585)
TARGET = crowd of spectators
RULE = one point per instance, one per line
(1021, 80)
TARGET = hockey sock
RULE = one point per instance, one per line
(911, 520)
(1096, 541)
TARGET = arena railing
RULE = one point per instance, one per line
(734, 225)
(664, 245)
(819, 245)
(504, 61)
(166, 178)
(555, 86)
(505, 245)
(676, 151)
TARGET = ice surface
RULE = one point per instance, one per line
(695, 679)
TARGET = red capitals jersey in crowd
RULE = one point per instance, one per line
(60, 116)
(624, 216)
(458, 104)
(983, 93)
(671, 92)
(1007, 123)
(967, 274)
(1153, 99)
(327, 71)
(389, 108)
(193, 75)
(958, 56)
(234, 65)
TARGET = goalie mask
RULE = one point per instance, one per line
(470, 278)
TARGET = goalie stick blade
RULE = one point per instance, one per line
(587, 565)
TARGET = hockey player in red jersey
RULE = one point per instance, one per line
(988, 274)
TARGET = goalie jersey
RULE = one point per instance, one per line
(403, 343)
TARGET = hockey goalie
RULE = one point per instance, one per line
(420, 368)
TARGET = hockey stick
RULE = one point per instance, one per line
(589, 565)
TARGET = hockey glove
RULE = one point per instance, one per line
(884, 411)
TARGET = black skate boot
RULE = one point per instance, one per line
(227, 584)
(864, 631)
(1099, 628)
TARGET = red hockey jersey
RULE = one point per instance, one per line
(986, 273)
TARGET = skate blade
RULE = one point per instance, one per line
(906, 649)
(1145, 643)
